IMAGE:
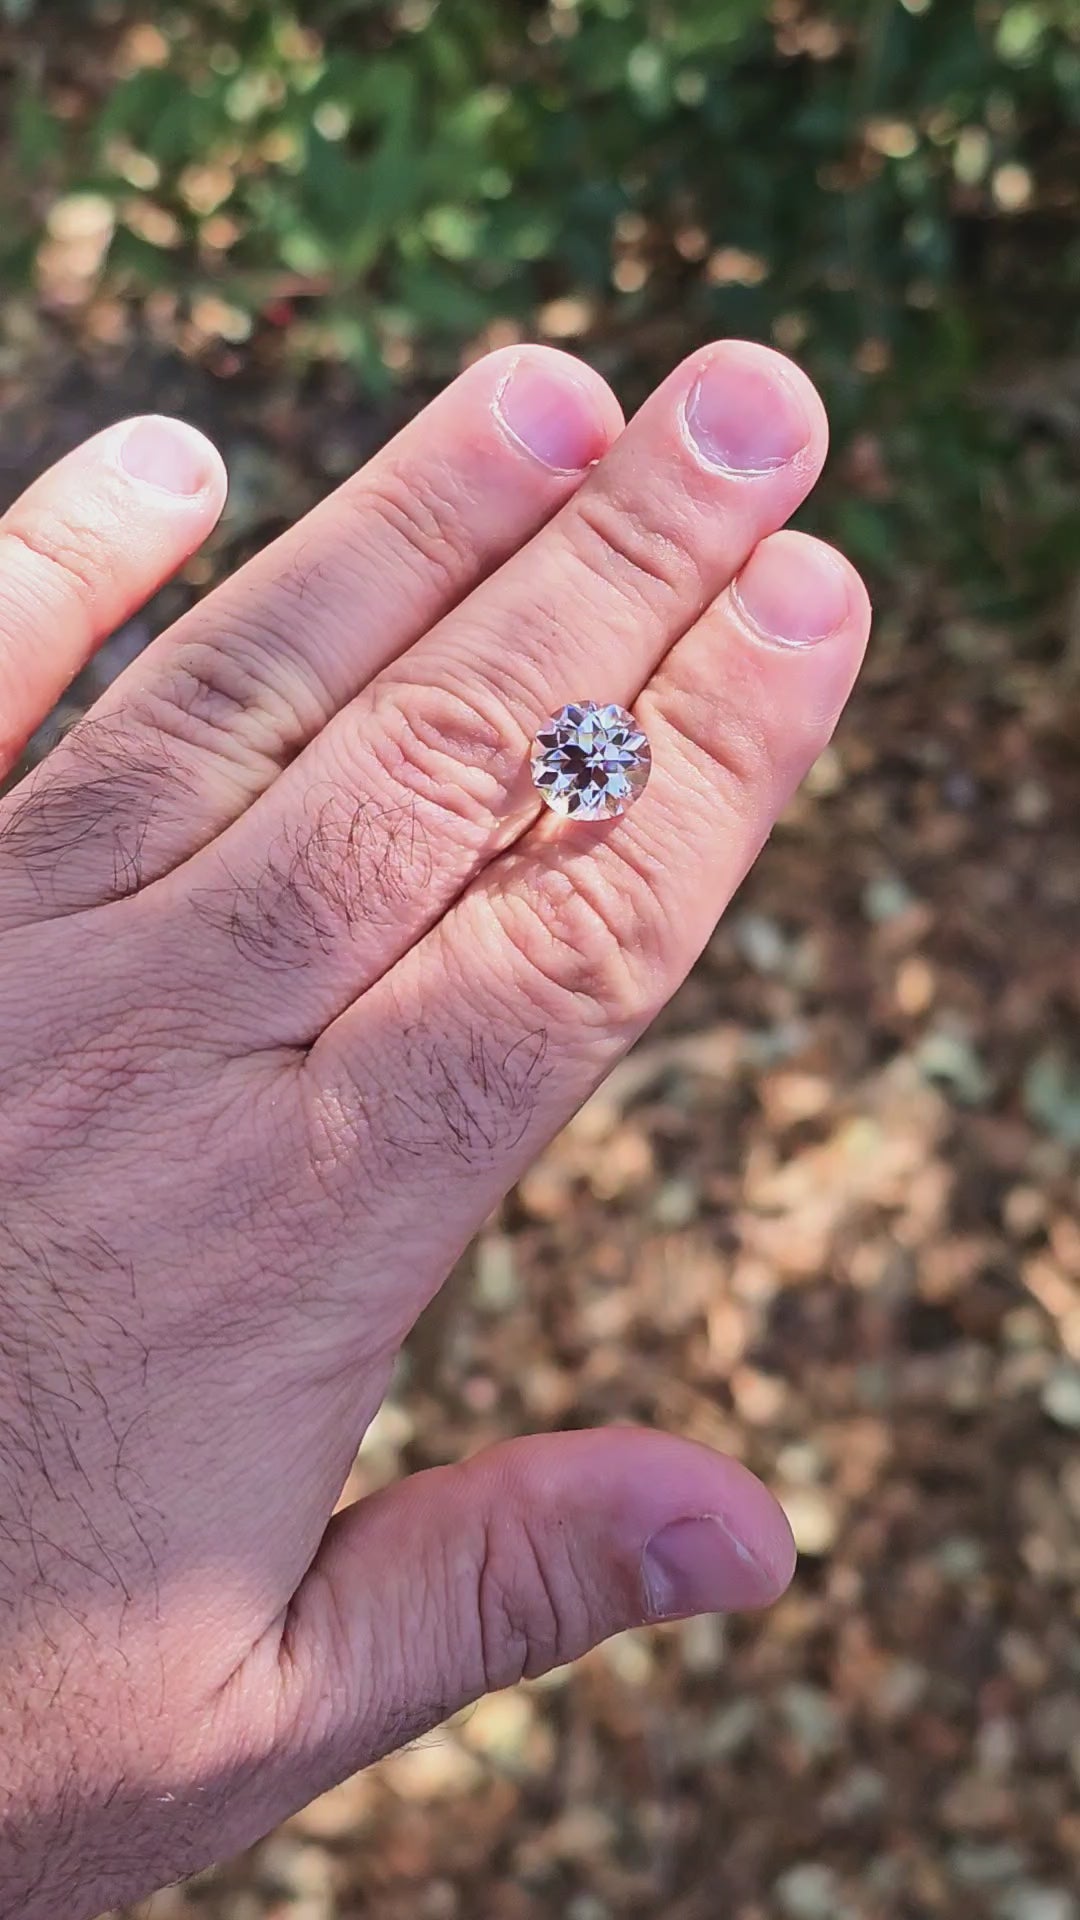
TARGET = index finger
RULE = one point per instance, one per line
(85, 546)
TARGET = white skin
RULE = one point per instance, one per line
(295, 980)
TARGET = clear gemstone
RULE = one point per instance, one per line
(591, 762)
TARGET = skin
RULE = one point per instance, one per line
(295, 981)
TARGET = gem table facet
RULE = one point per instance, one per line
(591, 762)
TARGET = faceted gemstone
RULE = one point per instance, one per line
(590, 762)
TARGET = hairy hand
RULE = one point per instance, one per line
(294, 982)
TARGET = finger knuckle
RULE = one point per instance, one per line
(634, 551)
(220, 698)
(449, 748)
(587, 947)
(78, 556)
(424, 516)
(532, 1610)
(335, 1137)
(730, 750)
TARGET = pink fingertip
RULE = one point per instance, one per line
(744, 416)
(793, 590)
(167, 454)
(545, 410)
(699, 1564)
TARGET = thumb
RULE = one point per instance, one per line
(466, 1578)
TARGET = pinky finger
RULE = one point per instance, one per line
(86, 545)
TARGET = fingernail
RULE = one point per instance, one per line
(699, 1565)
(551, 417)
(166, 454)
(743, 416)
(794, 594)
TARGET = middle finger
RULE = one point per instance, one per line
(410, 790)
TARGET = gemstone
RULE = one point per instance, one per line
(590, 762)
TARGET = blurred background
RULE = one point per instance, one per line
(826, 1215)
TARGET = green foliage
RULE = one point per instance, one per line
(880, 186)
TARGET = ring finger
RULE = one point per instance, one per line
(450, 1074)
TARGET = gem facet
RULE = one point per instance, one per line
(591, 762)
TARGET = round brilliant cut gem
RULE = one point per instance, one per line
(590, 762)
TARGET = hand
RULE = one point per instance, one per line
(294, 982)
